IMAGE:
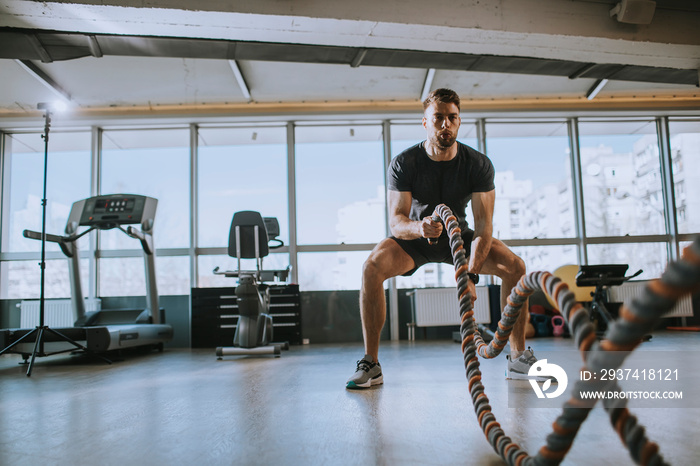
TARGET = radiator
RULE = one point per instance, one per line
(626, 291)
(57, 312)
(434, 307)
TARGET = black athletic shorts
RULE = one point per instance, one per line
(422, 253)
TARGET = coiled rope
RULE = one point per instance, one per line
(636, 320)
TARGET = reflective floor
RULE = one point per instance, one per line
(185, 407)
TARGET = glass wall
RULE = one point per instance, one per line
(240, 168)
(685, 159)
(533, 180)
(340, 270)
(22, 279)
(621, 171)
(124, 276)
(155, 163)
(68, 180)
(338, 202)
(207, 264)
(651, 258)
(548, 258)
(405, 134)
(340, 184)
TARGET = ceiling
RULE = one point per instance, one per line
(164, 57)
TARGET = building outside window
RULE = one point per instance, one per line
(685, 159)
(622, 192)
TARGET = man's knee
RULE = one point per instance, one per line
(511, 267)
(385, 261)
(372, 271)
(518, 266)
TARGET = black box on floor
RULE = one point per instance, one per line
(215, 315)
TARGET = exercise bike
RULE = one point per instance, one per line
(602, 277)
(249, 238)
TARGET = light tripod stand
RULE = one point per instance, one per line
(42, 329)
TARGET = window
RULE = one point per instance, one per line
(22, 279)
(68, 180)
(621, 178)
(125, 276)
(546, 258)
(340, 270)
(151, 163)
(409, 133)
(685, 156)
(240, 169)
(340, 191)
(652, 258)
(533, 180)
(207, 264)
(431, 275)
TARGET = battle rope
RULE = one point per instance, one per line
(636, 320)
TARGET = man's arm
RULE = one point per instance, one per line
(482, 206)
(403, 227)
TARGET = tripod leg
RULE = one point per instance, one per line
(37, 344)
(604, 315)
(26, 335)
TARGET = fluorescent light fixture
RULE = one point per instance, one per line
(634, 11)
(597, 87)
(54, 106)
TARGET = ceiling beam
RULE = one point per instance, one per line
(583, 70)
(45, 79)
(240, 80)
(14, 44)
(39, 48)
(596, 88)
(94, 46)
(413, 108)
(357, 61)
(427, 84)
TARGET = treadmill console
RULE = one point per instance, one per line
(109, 211)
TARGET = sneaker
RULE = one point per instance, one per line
(368, 373)
(519, 368)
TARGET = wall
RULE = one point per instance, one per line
(327, 316)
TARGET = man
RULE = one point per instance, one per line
(437, 170)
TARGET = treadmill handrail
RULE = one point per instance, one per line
(64, 242)
(146, 239)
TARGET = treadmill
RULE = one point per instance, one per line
(104, 330)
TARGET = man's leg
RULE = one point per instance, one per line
(387, 260)
(503, 263)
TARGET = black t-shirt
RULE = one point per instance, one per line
(432, 183)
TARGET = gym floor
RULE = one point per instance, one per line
(185, 407)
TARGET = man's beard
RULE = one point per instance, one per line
(436, 140)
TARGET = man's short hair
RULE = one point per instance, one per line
(445, 96)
